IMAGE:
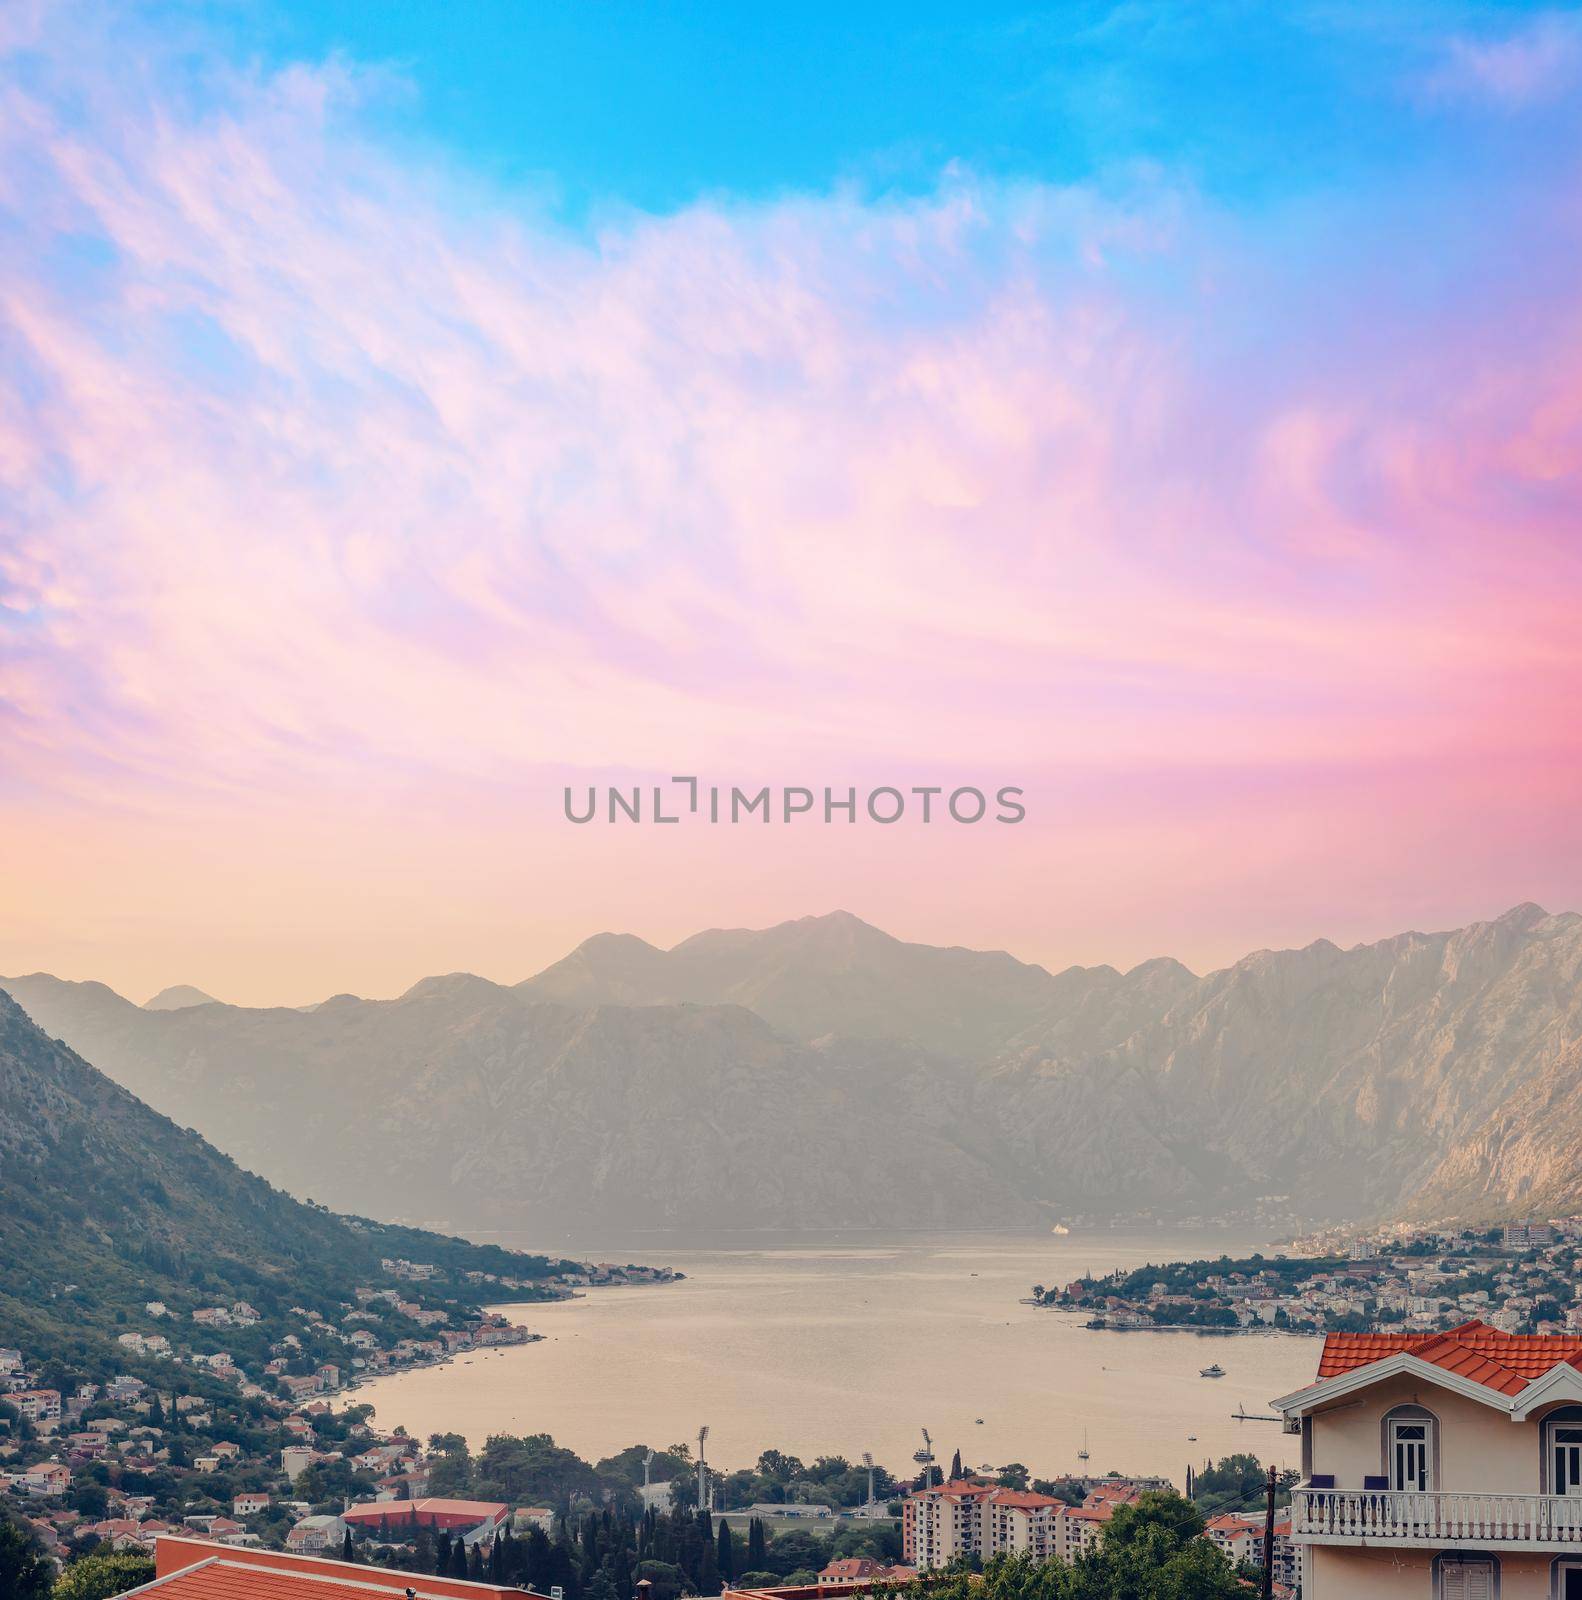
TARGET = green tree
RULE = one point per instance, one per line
(776, 1464)
(24, 1569)
(725, 1555)
(450, 1469)
(98, 1576)
(91, 1499)
(1160, 1509)
(794, 1550)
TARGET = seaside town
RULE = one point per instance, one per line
(290, 1463)
(1521, 1277)
(182, 1433)
(191, 1447)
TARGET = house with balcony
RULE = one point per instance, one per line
(1440, 1466)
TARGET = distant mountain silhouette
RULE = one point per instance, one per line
(837, 975)
(823, 1074)
(178, 997)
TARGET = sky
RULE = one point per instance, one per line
(410, 412)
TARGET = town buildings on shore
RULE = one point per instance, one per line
(975, 1519)
(1520, 1278)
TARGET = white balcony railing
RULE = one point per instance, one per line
(1405, 1516)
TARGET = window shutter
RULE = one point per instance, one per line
(1467, 1580)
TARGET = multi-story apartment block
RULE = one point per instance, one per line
(1442, 1466)
(969, 1517)
(37, 1405)
(942, 1523)
(1023, 1523)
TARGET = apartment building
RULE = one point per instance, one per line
(1022, 1523)
(971, 1517)
(942, 1523)
(1441, 1466)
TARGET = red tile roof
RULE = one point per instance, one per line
(1504, 1362)
(191, 1569)
(1024, 1499)
(377, 1511)
(1229, 1522)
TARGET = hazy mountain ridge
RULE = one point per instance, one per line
(178, 997)
(481, 1106)
(835, 974)
(105, 1204)
(786, 1078)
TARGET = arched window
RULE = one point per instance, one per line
(1466, 1577)
(1411, 1448)
(1565, 1581)
(1562, 1463)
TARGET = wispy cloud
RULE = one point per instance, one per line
(329, 471)
(1532, 63)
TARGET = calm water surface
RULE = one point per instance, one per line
(855, 1345)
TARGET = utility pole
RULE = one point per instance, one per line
(1266, 1586)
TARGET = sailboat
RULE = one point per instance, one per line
(1082, 1454)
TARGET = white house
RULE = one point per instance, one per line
(1440, 1466)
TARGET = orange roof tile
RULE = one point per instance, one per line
(191, 1569)
(1504, 1362)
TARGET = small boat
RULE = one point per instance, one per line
(1082, 1454)
(978, 1420)
(1215, 1371)
(1191, 1438)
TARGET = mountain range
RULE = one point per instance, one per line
(821, 1074)
(106, 1205)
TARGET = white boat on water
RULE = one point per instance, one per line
(1216, 1371)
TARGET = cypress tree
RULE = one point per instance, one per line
(496, 1561)
(347, 1553)
(536, 1560)
(757, 1547)
(955, 1467)
(475, 1564)
(442, 1554)
(725, 1556)
(458, 1558)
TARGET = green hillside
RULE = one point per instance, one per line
(106, 1205)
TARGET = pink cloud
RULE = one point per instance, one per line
(350, 501)
(1533, 63)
